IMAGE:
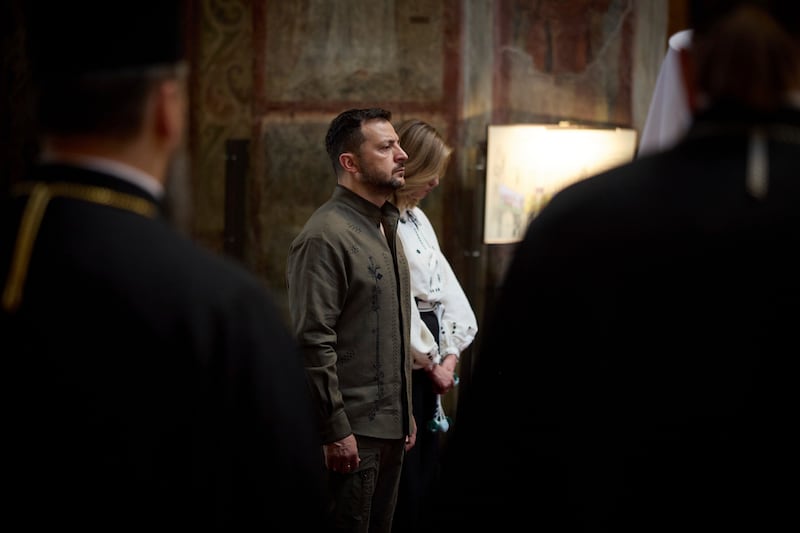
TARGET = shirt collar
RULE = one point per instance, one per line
(112, 167)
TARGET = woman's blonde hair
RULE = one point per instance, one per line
(428, 157)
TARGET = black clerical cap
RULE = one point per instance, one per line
(68, 40)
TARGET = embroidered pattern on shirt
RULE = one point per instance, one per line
(374, 271)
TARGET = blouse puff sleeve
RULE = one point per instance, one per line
(433, 281)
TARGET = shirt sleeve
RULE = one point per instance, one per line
(314, 273)
(458, 324)
(423, 343)
(433, 280)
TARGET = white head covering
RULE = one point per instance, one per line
(669, 115)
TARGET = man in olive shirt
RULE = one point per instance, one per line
(349, 301)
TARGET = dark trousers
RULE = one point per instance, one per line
(421, 463)
(364, 500)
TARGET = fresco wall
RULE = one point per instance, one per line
(270, 75)
(267, 76)
(273, 74)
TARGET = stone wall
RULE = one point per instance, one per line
(267, 76)
(270, 75)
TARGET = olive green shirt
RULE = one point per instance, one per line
(350, 302)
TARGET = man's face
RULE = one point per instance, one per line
(380, 158)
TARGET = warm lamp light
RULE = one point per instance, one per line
(526, 164)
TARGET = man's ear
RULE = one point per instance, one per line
(688, 79)
(170, 111)
(348, 162)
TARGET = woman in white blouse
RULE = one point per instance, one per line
(442, 326)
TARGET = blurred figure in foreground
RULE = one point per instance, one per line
(148, 383)
(443, 323)
(637, 373)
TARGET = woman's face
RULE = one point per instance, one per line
(423, 191)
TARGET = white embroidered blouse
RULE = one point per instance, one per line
(434, 286)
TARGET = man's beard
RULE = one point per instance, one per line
(380, 181)
(178, 192)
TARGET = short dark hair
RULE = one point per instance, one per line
(112, 106)
(703, 14)
(344, 133)
(758, 37)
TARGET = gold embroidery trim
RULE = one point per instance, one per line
(40, 195)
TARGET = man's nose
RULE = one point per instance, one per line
(401, 154)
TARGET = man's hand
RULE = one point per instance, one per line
(342, 455)
(411, 439)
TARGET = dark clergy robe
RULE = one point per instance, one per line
(148, 384)
(637, 372)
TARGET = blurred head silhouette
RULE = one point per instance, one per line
(111, 83)
(744, 53)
